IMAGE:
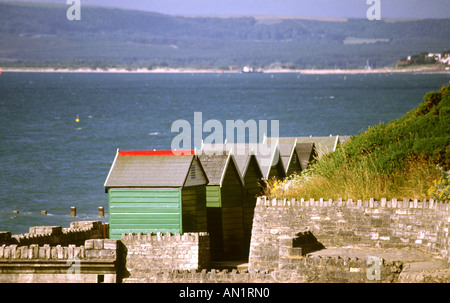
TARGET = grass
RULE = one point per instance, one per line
(408, 157)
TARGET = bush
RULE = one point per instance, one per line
(399, 159)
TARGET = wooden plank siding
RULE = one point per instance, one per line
(232, 215)
(276, 171)
(213, 196)
(215, 232)
(224, 210)
(194, 209)
(252, 189)
(214, 222)
(144, 210)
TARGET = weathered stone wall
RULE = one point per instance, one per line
(310, 269)
(5, 237)
(395, 224)
(78, 254)
(77, 233)
(292, 241)
(148, 255)
(95, 261)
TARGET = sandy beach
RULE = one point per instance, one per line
(194, 71)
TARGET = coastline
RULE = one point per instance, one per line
(218, 71)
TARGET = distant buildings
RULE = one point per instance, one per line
(249, 69)
(427, 58)
(443, 58)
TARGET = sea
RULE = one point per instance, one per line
(50, 162)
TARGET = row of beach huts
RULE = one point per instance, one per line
(203, 190)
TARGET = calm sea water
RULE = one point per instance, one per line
(50, 162)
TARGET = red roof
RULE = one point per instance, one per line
(155, 152)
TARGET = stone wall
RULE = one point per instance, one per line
(387, 226)
(292, 241)
(5, 237)
(80, 254)
(148, 255)
(77, 233)
(95, 261)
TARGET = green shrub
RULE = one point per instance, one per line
(401, 158)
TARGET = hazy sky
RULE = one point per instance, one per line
(302, 8)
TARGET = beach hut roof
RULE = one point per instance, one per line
(268, 155)
(151, 169)
(287, 152)
(323, 145)
(242, 154)
(343, 139)
(216, 165)
(243, 163)
(305, 152)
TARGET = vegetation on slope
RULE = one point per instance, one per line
(424, 59)
(408, 157)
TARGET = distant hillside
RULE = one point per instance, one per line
(40, 35)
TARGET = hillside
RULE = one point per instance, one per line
(39, 35)
(426, 59)
(403, 158)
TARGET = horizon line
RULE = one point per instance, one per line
(256, 16)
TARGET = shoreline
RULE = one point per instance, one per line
(218, 71)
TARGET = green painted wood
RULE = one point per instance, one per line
(253, 188)
(213, 196)
(226, 226)
(164, 201)
(194, 209)
(149, 220)
(144, 210)
(137, 192)
(119, 232)
(232, 215)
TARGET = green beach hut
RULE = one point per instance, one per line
(224, 206)
(252, 176)
(253, 188)
(156, 191)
